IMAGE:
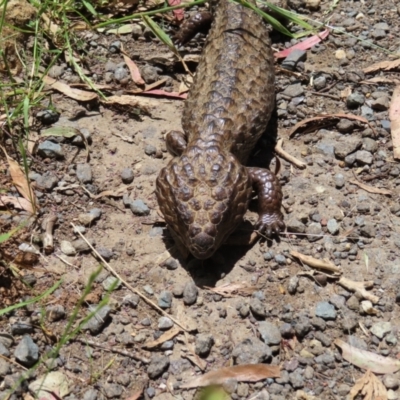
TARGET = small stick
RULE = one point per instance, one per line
(48, 226)
(135, 356)
(66, 262)
(279, 150)
(140, 294)
(360, 288)
(315, 263)
(331, 96)
(13, 362)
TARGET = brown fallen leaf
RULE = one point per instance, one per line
(232, 289)
(381, 79)
(323, 120)
(19, 203)
(382, 66)
(160, 92)
(367, 360)
(163, 338)
(76, 94)
(114, 192)
(196, 360)
(136, 395)
(371, 189)
(21, 183)
(242, 373)
(370, 387)
(124, 138)
(143, 103)
(394, 116)
(133, 69)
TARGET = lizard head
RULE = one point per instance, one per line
(203, 196)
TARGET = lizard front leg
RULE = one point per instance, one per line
(269, 192)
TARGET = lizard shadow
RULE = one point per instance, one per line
(209, 272)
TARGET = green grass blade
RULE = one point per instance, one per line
(155, 28)
(89, 7)
(31, 301)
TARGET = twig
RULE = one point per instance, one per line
(279, 150)
(66, 262)
(360, 288)
(140, 294)
(331, 96)
(48, 226)
(135, 356)
(324, 265)
(13, 362)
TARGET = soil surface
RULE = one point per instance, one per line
(247, 305)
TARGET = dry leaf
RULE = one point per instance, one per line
(143, 103)
(21, 183)
(136, 395)
(160, 92)
(394, 116)
(325, 265)
(76, 94)
(323, 119)
(382, 66)
(345, 93)
(231, 289)
(163, 338)
(367, 360)
(381, 79)
(367, 307)
(134, 70)
(242, 373)
(196, 360)
(114, 193)
(359, 288)
(19, 203)
(370, 387)
(371, 189)
(304, 45)
(124, 138)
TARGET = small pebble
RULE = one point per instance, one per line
(190, 293)
(204, 343)
(27, 351)
(127, 175)
(325, 310)
(165, 299)
(165, 323)
(139, 207)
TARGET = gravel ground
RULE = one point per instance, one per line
(282, 312)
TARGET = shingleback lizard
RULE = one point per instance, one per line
(205, 190)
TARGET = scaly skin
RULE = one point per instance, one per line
(204, 192)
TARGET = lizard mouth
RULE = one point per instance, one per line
(202, 246)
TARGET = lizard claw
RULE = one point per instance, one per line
(270, 224)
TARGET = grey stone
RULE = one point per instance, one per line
(295, 226)
(302, 327)
(391, 381)
(345, 126)
(190, 293)
(127, 175)
(4, 351)
(280, 259)
(56, 71)
(370, 145)
(318, 323)
(293, 284)
(364, 157)
(107, 254)
(337, 300)
(345, 147)
(350, 160)
(269, 255)
(151, 392)
(381, 328)
(89, 218)
(98, 320)
(148, 289)
(251, 351)
(150, 150)
(324, 339)
(49, 149)
(120, 74)
(327, 149)
(79, 141)
(170, 264)
(149, 73)
(47, 182)
(355, 100)
(21, 327)
(90, 394)
(357, 342)
(378, 34)
(296, 380)
(165, 323)
(257, 308)
(48, 117)
(5, 368)
(81, 246)
(115, 46)
(269, 333)
(294, 58)
(314, 232)
(333, 226)
(380, 104)
(367, 113)
(113, 390)
(386, 125)
(84, 173)
(320, 82)
(110, 66)
(353, 303)
(294, 90)
(165, 299)
(55, 312)
(111, 282)
(204, 343)
(339, 181)
(131, 300)
(27, 351)
(349, 322)
(382, 25)
(325, 310)
(67, 248)
(139, 207)
(158, 364)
